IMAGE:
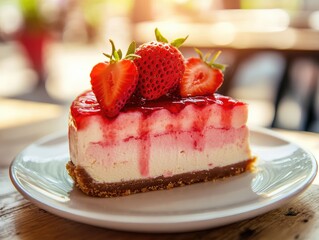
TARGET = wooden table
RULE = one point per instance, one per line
(20, 219)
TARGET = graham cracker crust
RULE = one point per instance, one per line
(92, 188)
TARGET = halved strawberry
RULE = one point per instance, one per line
(114, 82)
(201, 77)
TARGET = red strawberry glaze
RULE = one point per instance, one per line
(86, 105)
(145, 146)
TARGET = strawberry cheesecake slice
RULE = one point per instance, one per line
(157, 145)
(153, 121)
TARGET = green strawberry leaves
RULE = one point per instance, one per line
(117, 55)
(130, 54)
(159, 36)
(211, 62)
(176, 43)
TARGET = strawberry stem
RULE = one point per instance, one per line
(107, 55)
(207, 55)
(117, 55)
(131, 49)
(113, 47)
(159, 36)
(176, 43)
(215, 57)
(199, 52)
(211, 62)
(222, 67)
(132, 56)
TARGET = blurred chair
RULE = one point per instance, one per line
(297, 97)
(272, 54)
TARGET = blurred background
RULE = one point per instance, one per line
(271, 47)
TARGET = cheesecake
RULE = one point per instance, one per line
(157, 145)
(155, 140)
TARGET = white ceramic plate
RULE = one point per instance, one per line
(283, 171)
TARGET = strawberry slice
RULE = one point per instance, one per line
(201, 77)
(114, 82)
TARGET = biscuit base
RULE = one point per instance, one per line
(92, 188)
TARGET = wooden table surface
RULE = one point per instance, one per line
(20, 219)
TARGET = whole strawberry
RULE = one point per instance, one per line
(114, 82)
(160, 66)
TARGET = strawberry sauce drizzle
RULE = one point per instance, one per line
(198, 128)
(145, 147)
(226, 114)
(86, 105)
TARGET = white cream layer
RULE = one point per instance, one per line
(169, 155)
